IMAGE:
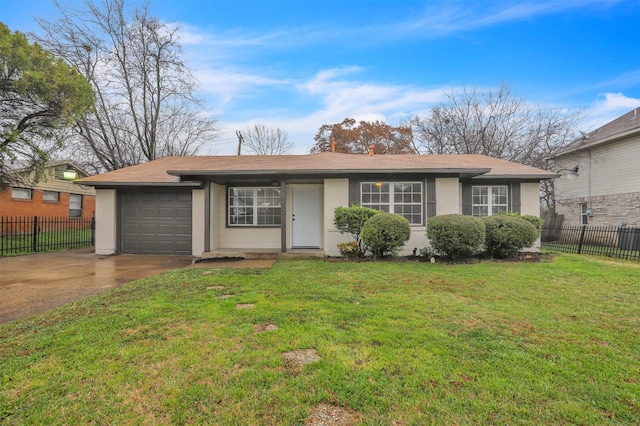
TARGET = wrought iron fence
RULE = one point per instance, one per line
(620, 242)
(31, 234)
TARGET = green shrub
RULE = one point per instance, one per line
(349, 249)
(385, 233)
(534, 220)
(456, 236)
(505, 235)
(350, 220)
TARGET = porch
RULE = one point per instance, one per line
(260, 254)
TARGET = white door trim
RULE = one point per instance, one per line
(306, 215)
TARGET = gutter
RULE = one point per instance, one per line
(316, 172)
(187, 184)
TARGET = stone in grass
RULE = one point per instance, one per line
(332, 415)
(215, 287)
(245, 306)
(298, 359)
(261, 328)
(226, 296)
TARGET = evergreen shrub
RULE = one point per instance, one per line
(456, 236)
(384, 233)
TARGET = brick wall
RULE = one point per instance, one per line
(608, 210)
(36, 206)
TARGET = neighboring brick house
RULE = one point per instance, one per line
(605, 189)
(51, 196)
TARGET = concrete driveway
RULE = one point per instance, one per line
(40, 282)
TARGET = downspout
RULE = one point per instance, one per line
(589, 193)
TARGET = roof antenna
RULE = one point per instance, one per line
(584, 135)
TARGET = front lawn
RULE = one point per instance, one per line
(398, 343)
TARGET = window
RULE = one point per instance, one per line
(21, 193)
(584, 213)
(489, 200)
(259, 206)
(403, 198)
(52, 196)
(75, 205)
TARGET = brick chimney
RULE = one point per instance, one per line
(371, 147)
(333, 144)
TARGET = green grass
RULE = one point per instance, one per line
(16, 245)
(411, 343)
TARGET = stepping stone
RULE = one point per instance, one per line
(261, 328)
(216, 287)
(300, 357)
(245, 306)
(332, 415)
(226, 296)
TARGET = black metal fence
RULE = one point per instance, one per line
(612, 241)
(31, 234)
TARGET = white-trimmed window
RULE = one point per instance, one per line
(584, 214)
(489, 200)
(21, 193)
(403, 198)
(254, 206)
(75, 205)
(51, 196)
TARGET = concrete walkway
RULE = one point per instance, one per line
(40, 282)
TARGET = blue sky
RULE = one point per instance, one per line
(300, 64)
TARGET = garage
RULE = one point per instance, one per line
(155, 221)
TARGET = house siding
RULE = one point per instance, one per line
(530, 198)
(197, 222)
(608, 181)
(336, 194)
(106, 221)
(447, 196)
(218, 214)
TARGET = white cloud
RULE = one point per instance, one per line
(608, 107)
(334, 96)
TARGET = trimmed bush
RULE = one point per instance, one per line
(350, 220)
(349, 249)
(506, 235)
(534, 220)
(385, 233)
(456, 236)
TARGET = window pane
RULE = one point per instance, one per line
(498, 209)
(269, 216)
(75, 205)
(21, 193)
(258, 206)
(480, 211)
(241, 206)
(50, 196)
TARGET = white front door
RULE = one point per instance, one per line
(305, 216)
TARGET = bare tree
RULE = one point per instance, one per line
(356, 137)
(146, 107)
(263, 140)
(500, 124)
(496, 123)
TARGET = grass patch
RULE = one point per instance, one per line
(412, 343)
(17, 245)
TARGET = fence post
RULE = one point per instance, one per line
(93, 231)
(34, 247)
(582, 232)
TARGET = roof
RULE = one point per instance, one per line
(189, 171)
(19, 165)
(622, 127)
